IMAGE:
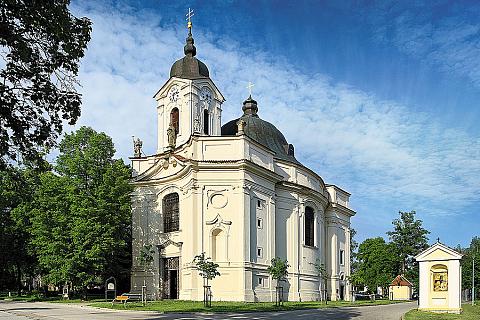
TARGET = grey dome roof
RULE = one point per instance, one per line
(189, 67)
(261, 131)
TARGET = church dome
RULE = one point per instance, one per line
(189, 67)
(261, 131)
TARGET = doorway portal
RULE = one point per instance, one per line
(170, 278)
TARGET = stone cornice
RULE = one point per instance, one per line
(341, 209)
(304, 191)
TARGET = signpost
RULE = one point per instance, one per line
(110, 286)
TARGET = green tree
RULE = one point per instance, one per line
(208, 269)
(472, 252)
(80, 214)
(42, 43)
(278, 269)
(409, 238)
(16, 262)
(378, 263)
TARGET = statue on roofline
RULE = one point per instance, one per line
(137, 147)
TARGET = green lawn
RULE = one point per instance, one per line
(469, 313)
(196, 306)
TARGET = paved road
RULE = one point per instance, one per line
(57, 311)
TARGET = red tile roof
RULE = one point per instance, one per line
(401, 281)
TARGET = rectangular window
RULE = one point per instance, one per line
(259, 204)
(259, 223)
(309, 227)
(342, 257)
(260, 281)
(259, 252)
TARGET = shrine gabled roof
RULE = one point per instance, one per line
(424, 255)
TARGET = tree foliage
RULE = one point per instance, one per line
(16, 188)
(208, 269)
(409, 238)
(41, 44)
(471, 253)
(378, 263)
(278, 269)
(80, 213)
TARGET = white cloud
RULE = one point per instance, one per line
(450, 42)
(378, 150)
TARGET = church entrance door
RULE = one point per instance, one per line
(173, 284)
(342, 291)
(170, 278)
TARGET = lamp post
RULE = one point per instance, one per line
(473, 279)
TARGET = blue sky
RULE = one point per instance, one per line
(380, 98)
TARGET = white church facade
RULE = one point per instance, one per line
(235, 192)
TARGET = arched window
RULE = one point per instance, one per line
(170, 212)
(206, 119)
(174, 115)
(309, 227)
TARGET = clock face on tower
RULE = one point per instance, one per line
(206, 95)
(173, 94)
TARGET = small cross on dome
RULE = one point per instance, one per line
(249, 87)
(189, 16)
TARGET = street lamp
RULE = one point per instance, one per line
(473, 276)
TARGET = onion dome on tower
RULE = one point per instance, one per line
(189, 67)
(261, 131)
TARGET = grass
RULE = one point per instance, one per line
(169, 306)
(469, 313)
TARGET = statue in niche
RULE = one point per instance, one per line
(171, 136)
(196, 124)
(137, 147)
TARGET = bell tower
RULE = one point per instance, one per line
(189, 102)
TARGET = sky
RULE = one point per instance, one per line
(378, 97)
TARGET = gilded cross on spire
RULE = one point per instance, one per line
(249, 87)
(189, 16)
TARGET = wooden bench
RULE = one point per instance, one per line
(123, 299)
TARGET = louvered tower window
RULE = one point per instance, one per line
(174, 119)
(206, 120)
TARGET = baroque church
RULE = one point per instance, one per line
(237, 193)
